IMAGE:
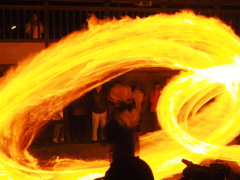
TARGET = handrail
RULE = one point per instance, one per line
(58, 21)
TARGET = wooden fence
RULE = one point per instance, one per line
(58, 21)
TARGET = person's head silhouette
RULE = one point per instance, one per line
(129, 168)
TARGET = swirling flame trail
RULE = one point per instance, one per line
(195, 128)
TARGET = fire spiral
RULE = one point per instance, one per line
(198, 109)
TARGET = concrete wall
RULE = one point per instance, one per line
(13, 52)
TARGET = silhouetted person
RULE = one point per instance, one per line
(129, 168)
(120, 132)
(79, 118)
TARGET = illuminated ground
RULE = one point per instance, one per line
(44, 150)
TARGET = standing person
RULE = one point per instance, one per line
(120, 132)
(58, 129)
(138, 99)
(57, 117)
(66, 122)
(125, 114)
(154, 97)
(99, 112)
(78, 120)
(34, 28)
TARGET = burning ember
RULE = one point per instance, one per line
(198, 110)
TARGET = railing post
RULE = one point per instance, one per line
(106, 4)
(46, 23)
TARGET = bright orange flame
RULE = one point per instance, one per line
(203, 48)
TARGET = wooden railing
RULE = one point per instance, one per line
(58, 21)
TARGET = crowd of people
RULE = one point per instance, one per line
(114, 115)
(86, 118)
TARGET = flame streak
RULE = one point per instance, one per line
(192, 129)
